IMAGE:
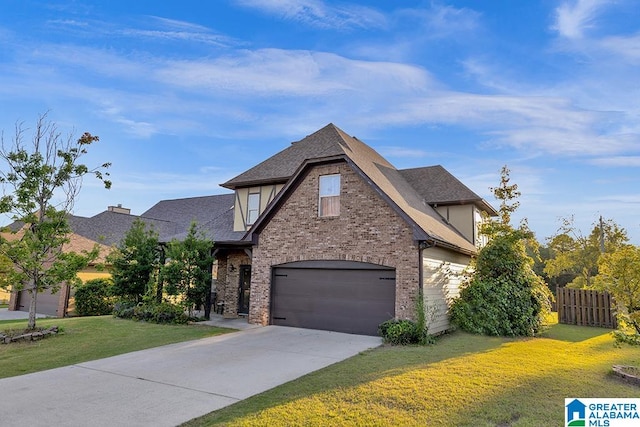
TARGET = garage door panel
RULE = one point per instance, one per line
(318, 282)
(46, 302)
(344, 300)
(336, 306)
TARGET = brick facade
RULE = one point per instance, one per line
(367, 230)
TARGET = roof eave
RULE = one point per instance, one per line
(480, 203)
(255, 183)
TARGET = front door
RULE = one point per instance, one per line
(244, 289)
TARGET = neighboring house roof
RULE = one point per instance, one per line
(213, 216)
(171, 219)
(77, 243)
(110, 227)
(439, 187)
(331, 144)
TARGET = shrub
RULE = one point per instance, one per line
(151, 312)
(124, 309)
(504, 297)
(399, 332)
(94, 298)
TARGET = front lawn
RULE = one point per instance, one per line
(462, 380)
(90, 338)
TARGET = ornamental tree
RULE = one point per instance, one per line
(503, 295)
(40, 181)
(135, 262)
(187, 272)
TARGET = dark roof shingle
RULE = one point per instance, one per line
(332, 141)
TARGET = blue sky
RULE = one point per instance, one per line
(186, 95)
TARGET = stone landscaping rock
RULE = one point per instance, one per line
(629, 374)
(28, 336)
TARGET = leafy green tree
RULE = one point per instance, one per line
(135, 262)
(187, 272)
(41, 181)
(575, 256)
(619, 274)
(503, 296)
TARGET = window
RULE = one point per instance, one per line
(329, 204)
(253, 208)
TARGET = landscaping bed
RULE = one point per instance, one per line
(10, 335)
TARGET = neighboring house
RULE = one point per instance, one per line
(342, 240)
(171, 219)
(325, 234)
(57, 304)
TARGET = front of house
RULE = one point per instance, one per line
(337, 238)
(325, 234)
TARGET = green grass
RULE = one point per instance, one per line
(89, 338)
(462, 380)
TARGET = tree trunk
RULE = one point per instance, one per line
(32, 307)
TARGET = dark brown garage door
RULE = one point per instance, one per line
(46, 303)
(340, 296)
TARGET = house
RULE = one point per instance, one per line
(57, 304)
(171, 219)
(325, 234)
(337, 238)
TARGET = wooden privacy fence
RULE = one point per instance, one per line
(585, 307)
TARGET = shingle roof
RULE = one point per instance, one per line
(331, 141)
(171, 219)
(110, 227)
(439, 187)
(281, 166)
(212, 214)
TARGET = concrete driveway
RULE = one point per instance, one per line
(5, 314)
(168, 385)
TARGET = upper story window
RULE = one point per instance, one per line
(253, 208)
(329, 203)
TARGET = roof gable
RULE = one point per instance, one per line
(381, 175)
(437, 186)
(281, 166)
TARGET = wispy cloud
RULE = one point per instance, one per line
(319, 14)
(438, 21)
(171, 29)
(276, 72)
(157, 94)
(573, 18)
(617, 161)
(626, 47)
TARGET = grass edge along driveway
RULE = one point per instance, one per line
(90, 338)
(462, 380)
